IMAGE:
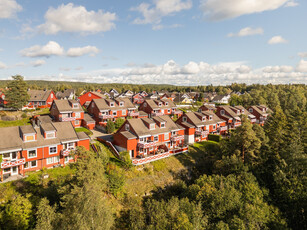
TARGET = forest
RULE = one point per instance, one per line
(255, 179)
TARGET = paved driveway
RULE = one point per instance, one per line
(98, 133)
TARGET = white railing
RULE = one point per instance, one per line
(133, 114)
(158, 114)
(8, 164)
(177, 112)
(177, 138)
(66, 152)
(147, 144)
(67, 118)
(108, 116)
(202, 132)
(224, 128)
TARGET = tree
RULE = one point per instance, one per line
(46, 215)
(110, 126)
(119, 122)
(17, 95)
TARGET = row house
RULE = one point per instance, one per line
(138, 98)
(103, 110)
(31, 148)
(113, 93)
(150, 139)
(221, 99)
(207, 107)
(40, 99)
(261, 113)
(67, 110)
(127, 93)
(198, 125)
(86, 98)
(160, 108)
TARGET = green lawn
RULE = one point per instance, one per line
(82, 129)
(25, 121)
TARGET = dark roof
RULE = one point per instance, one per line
(65, 94)
(39, 95)
(67, 105)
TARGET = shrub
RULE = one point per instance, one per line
(24, 115)
(119, 122)
(125, 159)
(37, 109)
(214, 137)
(110, 127)
(158, 165)
(117, 182)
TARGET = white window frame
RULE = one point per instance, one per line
(203, 118)
(184, 119)
(162, 124)
(152, 126)
(156, 137)
(127, 127)
(222, 112)
(28, 151)
(166, 136)
(77, 122)
(77, 115)
(250, 110)
(168, 110)
(50, 132)
(49, 160)
(30, 164)
(75, 105)
(121, 104)
(56, 147)
(111, 104)
(124, 112)
(114, 113)
(29, 136)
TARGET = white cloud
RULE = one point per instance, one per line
(277, 40)
(70, 18)
(51, 48)
(247, 31)
(291, 4)
(302, 66)
(38, 63)
(9, 8)
(153, 14)
(220, 9)
(302, 54)
(2, 65)
(275, 69)
(80, 51)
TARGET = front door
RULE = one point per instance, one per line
(14, 170)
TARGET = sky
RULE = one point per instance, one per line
(179, 42)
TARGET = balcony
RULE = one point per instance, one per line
(176, 112)
(157, 113)
(106, 116)
(133, 114)
(67, 119)
(202, 132)
(154, 157)
(147, 144)
(12, 163)
(224, 128)
(253, 120)
(177, 138)
(237, 124)
(66, 152)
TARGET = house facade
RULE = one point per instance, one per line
(221, 99)
(40, 99)
(138, 98)
(67, 94)
(198, 125)
(86, 98)
(261, 113)
(67, 110)
(150, 139)
(31, 148)
(160, 108)
(103, 110)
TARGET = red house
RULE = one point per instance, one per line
(138, 98)
(40, 99)
(86, 98)
(148, 139)
(261, 113)
(207, 107)
(160, 108)
(2, 99)
(67, 110)
(199, 125)
(31, 148)
(103, 110)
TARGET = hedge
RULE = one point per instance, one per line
(214, 137)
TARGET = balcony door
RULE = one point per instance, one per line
(14, 170)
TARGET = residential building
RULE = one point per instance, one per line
(31, 148)
(113, 93)
(2, 98)
(207, 107)
(230, 114)
(67, 94)
(198, 125)
(40, 99)
(148, 139)
(86, 98)
(138, 98)
(160, 107)
(67, 110)
(103, 110)
(88, 122)
(221, 99)
(261, 113)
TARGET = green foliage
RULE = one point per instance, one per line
(119, 122)
(82, 129)
(45, 215)
(214, 137)
(117, 182)
(158, 165)
(17, 96)
(24, 115)
(110, 126)
(125, 159)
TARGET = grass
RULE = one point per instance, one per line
(24, 121)
(82, 129)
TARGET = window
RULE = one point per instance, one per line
(123, 112)
(89, 94)
(6, 155)
(166, 103)
(75, 106)
(77, 115)
(121, 104)
(127, 127)
(173, 133)
(222, 112)
(152, 126)
(29, 138)
(166, 136)
(7, 170)
(145, 104)
(142, 139)
(114, 113)
(33, 164)
(168, 110)
(70, 145)
(141, 150)
(30, 164)
(160, 103)
(250, 110)
(112, 104)
(53, 150)
(32, 153)
(203, 118)
(51, 160)
(163, 125)
(77, 122)
(50, 135)
(156, 138)
(214, 126)
(184, 119)
(210, 117)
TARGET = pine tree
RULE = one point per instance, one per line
(17, 95)
(46, 215)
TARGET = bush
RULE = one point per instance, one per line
(110, 127)
(158, 165)
(214, 137)
(125, 159)
(37, 109)
(119, 122)
(117, 182)
(24, 115)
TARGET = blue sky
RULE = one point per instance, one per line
(181, 42)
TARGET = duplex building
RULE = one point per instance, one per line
(198, 125)
(40, 98)
(160, 107)
(30, 148)
(87, 97)
(103, 110)
(150, 139)
(261, 113)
